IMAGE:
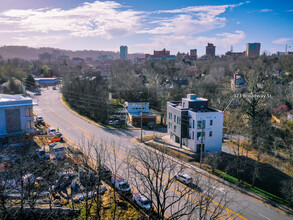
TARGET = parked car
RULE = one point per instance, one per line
(142, 201)
(54, 88)
(120, 184)
(111, 122)
(184, 178)
(51, 131)
(57, 138)
(40, 120)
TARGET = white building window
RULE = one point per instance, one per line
(201, 124)
(175, 128)
(211, 122)
(210, 133)
(199, 134)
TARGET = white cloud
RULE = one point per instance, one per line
(266, 10)
(175, 42)
(105, 19)
(190, 20)
(108, 19)
(282, 40)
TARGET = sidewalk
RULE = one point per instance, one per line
(166, 141)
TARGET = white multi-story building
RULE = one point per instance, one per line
(193, 124)
(16, 115)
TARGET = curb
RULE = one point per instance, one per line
(207, 174)
(78, 115)
(89, 121)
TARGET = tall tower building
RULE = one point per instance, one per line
(123, 52)
(252, 49)
(193, 52)
(210, 50)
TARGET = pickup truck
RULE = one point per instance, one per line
(120, 184)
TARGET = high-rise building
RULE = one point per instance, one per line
(123, 52)
(193, 52)
(210, 50)
(252, 49)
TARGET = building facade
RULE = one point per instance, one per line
(193, 124)
(138, 112)
(163, 52)
(16, 115)
(193, 52)
(252, 49)
(123, 52)
(210, 50)
(47, 81)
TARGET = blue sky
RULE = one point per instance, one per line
(177, 25)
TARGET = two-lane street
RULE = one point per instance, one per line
(74, 128)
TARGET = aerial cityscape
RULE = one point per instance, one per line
(146, 110)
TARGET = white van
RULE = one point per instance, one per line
(120, 184)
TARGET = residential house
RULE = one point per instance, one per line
(237, 83)
(191, 122)
(138, 112)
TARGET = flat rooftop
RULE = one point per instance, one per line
(14, 100)
(178, 105)
(46, 78)
(143, 114)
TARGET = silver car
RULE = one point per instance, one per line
(184, 178)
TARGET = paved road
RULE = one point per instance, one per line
(76, 129)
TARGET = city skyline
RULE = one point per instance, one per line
(147, 26)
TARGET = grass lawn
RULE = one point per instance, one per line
(124, 209)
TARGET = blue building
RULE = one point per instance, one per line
(47, 81)
(123, 52)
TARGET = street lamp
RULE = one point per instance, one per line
(141, 122)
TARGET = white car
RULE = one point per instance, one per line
(51, 131)
(39, 119)
(142, 201)
(184, 178)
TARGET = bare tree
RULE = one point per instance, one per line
(152, 175)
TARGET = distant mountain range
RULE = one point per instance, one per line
(30, 53)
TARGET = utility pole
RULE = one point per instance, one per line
(201, 145)
(141, 122)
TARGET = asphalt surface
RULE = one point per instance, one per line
(78, 130)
